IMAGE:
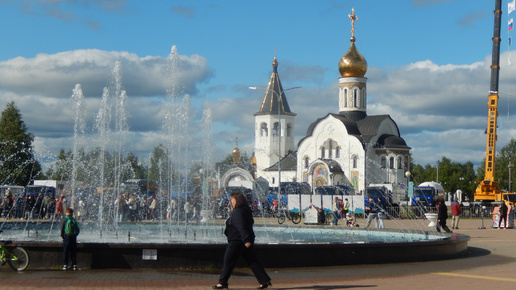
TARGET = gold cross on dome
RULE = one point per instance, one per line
(353, 17)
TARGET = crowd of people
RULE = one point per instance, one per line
(31, 206)
(136, 208)
(125, 208)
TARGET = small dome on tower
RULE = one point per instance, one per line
(236, 153)
(274, 63)
(352, 64)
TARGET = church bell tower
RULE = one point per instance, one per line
(274, 125)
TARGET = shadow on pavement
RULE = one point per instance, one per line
(330, 287)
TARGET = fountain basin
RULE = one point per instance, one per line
(193, 254)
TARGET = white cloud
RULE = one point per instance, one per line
(55, 75)
(440, 110)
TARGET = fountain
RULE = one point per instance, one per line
(107, 242)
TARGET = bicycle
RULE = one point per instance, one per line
(15, 256)
(284, 214)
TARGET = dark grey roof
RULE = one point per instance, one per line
(288, 163)
(274, 89)
(370, 124)
(364, 129)
(354, 115)
(391, 142)
(333, 165)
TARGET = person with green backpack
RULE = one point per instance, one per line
(69, 232)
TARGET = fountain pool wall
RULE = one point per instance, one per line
(293, 247)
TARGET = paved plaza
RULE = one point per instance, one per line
(490, 264)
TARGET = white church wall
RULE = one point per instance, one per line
(332, 128)
(267, 140)
(378, 174)
(272, 176)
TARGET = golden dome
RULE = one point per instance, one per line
(352, 64)
(236, 155)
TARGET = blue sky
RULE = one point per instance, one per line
(428, 65)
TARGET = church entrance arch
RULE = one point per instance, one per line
(237, 177)
(320, 174)
(326, 172)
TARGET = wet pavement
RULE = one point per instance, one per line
(491, 263)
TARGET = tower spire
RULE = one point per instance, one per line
(274, 90)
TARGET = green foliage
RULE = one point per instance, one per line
(161, 167)
(17, 163)
(503, 157)
(452, 175)
(88, 167)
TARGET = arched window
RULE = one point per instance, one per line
(383, 162)
(355, 159)
(307, 162)
(355, 98)
(362, 97)
(391, 163)
(345, 98)
(399, 163)
(323, 152)
(337, 152)
(263, 130)
(275, 129)
(289, 130)
(330, 148)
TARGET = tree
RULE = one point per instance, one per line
(161, 167)
(452, 175)
(17, 163)
(137, 168)
(501, 171)
(62, 169)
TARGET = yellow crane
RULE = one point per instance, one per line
(488, 190)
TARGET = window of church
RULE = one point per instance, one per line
(399, 163)
(307, 162)
(275, 129)
(330, 148)
(355, 98)
(355, 159)
(263, 130)
(273, 180)
(363, 98)
(337, 152)
(289, 130)
(345, 98)
(391, 163)
(383, 162)
(323, 152)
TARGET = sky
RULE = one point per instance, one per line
(428, 67)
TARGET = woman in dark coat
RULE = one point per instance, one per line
(442, 215)
(240, 234)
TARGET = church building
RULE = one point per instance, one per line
(349, 147)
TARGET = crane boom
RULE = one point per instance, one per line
(488, 189)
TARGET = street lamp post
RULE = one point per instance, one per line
(278, 98)
(511, 166)
(408, 174)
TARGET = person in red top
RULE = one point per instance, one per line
(455, 211)
(275, 204)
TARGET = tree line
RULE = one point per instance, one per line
(18, 165)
